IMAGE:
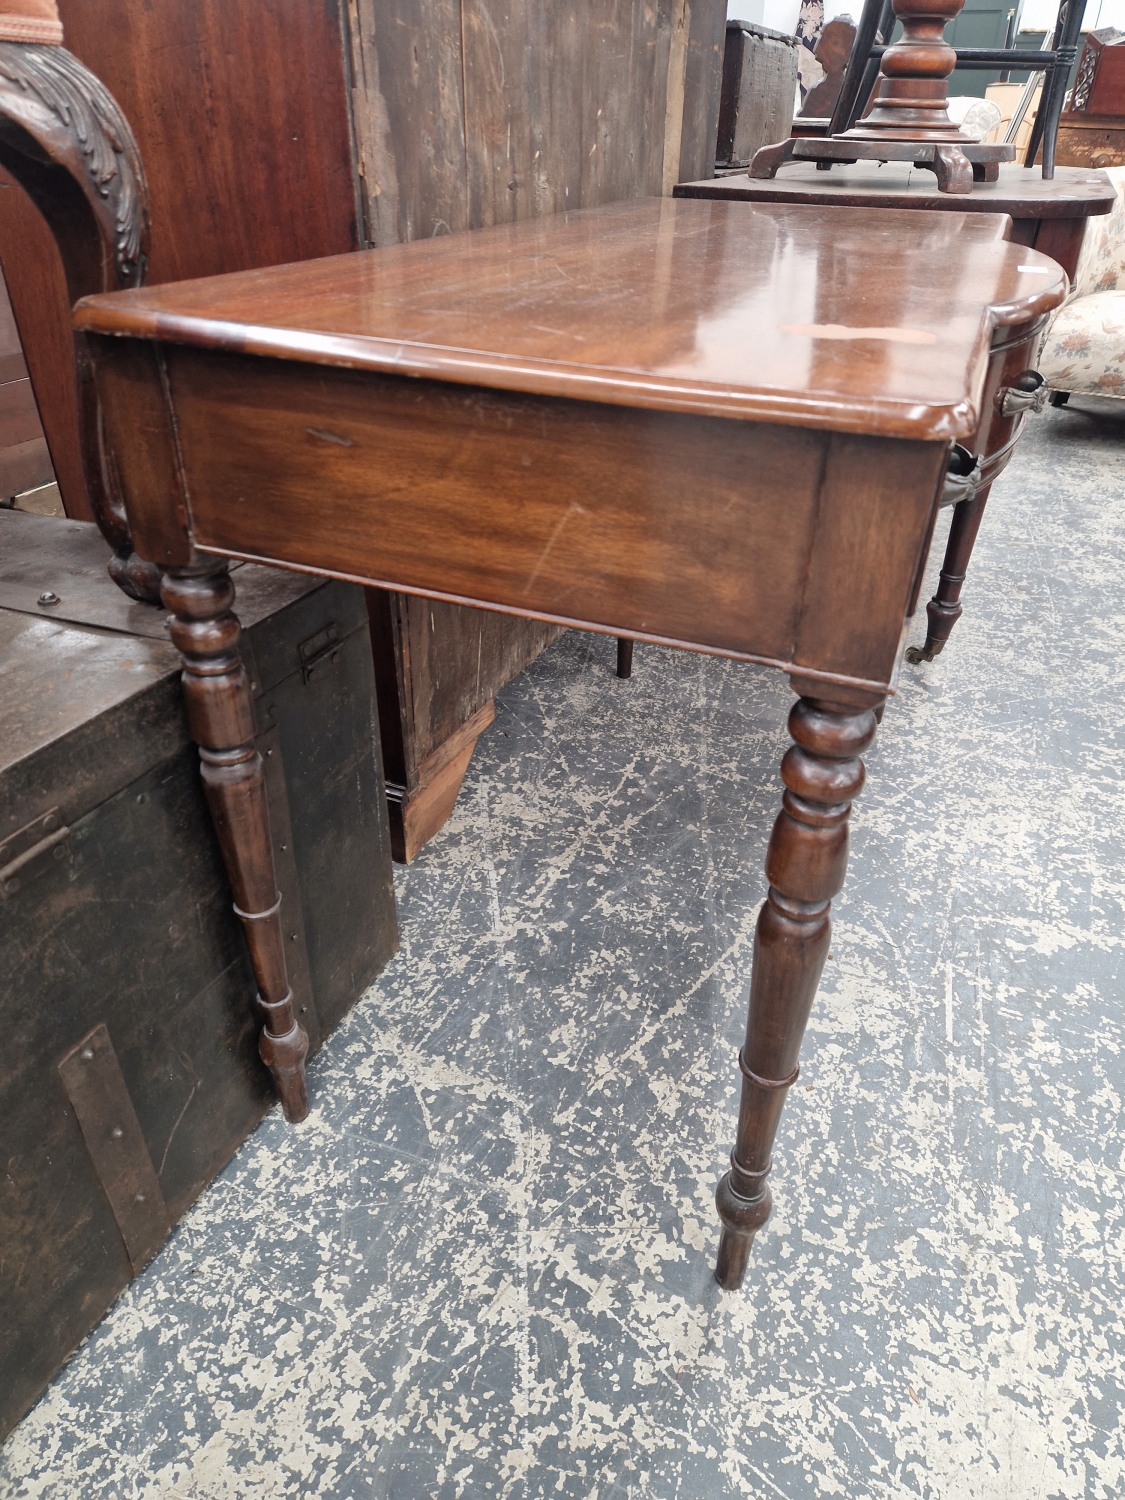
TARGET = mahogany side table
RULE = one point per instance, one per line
(1050, 215)
(719, 426)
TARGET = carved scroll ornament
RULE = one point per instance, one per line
(66, 142)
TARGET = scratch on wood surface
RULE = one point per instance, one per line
(329, 437)
(551, 540)
(176, 1127)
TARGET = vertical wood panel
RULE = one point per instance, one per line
(37, 288)
(476, 112)
(241, 115)
(409, 114)
(565, 103)
(703, 85)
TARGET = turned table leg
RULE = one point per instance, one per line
(221, 718)
(808, 854)
(944, 609)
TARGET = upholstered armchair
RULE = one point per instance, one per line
(1084, 348)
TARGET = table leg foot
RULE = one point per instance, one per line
(944, 609)
(953, 170)
(805, 866)
(767, 159)
(220, 711)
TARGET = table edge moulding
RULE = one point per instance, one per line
(560, 419)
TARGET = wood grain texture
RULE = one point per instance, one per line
(1049, 214)
(575, 513)
(231, 151)
(469, 112)
(25, 467)
(759, 86)
(703, 77)
(675, 421)
(565, 510)
(19, 416)
(476, 112)
(94, 724)
(242, 120)
(12, 363)
(131, 383)
(1061, 239)
(909, 100)
(220, 710)
(438, 665)
(1093, 144)
(246, 116)
(449, 652)
(66, 143)
(37, 288)
(417, 814)
(408, 107)
(648, 304)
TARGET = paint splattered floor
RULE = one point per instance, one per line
(483, 1268)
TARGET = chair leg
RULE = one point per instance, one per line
(852, 96)
(1067, 30)
(1052, 114)
(1035, 138)
(624, 656)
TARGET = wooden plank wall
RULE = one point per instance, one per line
(476, 112)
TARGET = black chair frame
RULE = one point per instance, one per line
(873, 34)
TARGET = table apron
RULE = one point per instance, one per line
(774, 543)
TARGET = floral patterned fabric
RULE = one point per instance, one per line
(810, 23)
(1101, 265)
(1084, 349)
(1085, 346)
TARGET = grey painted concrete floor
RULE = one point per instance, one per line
(483, 1267)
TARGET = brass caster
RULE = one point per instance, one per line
(916, 654)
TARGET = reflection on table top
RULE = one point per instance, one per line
(855, 320)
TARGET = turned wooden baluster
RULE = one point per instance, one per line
(912, 93)
(808, 854)
(221, 716)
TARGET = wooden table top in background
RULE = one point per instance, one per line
(1073, 192)
(849, 321)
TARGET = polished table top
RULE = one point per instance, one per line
(1073, 192)
(849, 321)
